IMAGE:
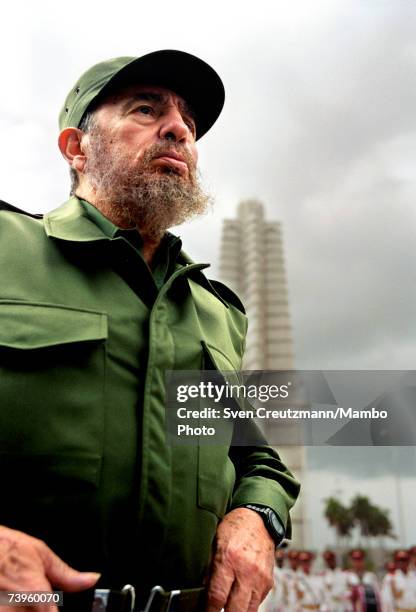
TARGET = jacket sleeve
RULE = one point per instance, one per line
(261, 478)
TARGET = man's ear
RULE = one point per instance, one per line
(71, 146)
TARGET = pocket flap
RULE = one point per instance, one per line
(34, 325)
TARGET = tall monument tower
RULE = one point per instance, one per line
(252, 264)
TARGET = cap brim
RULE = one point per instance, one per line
(185, 74)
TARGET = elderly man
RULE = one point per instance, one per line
(98, 302)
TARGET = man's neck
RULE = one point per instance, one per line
(149, 251)
(150, 241)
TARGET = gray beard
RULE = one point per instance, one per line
(147, 198)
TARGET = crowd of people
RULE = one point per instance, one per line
(335, 589)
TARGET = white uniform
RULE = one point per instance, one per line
(403, 588)
(367, 579)
(354, 579)
(290, 588)
(387, 593)
(309, 591)
(277, 600)
(336, 591)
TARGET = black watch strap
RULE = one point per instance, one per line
(271, 522)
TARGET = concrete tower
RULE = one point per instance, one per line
(252, 264)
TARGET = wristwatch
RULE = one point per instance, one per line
(271, 522)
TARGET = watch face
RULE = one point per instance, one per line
(276, 524)
(272, 523)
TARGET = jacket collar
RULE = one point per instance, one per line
(71, 222)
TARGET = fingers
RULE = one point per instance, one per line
(227, 591)
(242, 568)
(239, 599)
(220, 585)
(254, 602)
(268, 584)
(28, 564)
(61, 575)
(243, 598)
(20, 566)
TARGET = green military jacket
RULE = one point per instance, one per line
(84, 460)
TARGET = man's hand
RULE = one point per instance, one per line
(27, 564)
(242, 567)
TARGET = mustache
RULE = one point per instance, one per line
(163, 148)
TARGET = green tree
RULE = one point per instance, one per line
(380, 524)
(361, 509)
(339, 517)
(372, 521)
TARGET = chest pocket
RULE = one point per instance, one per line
(52, 365)
(216, 472)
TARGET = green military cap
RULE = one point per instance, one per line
(185, 74)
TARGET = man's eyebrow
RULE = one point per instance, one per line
(143, 96)
(159, 98)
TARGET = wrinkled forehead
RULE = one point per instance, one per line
(128, 94)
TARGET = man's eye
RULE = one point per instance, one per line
(145, 109)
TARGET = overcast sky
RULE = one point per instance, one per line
(319, 123)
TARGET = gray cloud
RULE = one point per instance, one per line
(363, 462)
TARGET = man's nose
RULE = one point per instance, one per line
(173, 127)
